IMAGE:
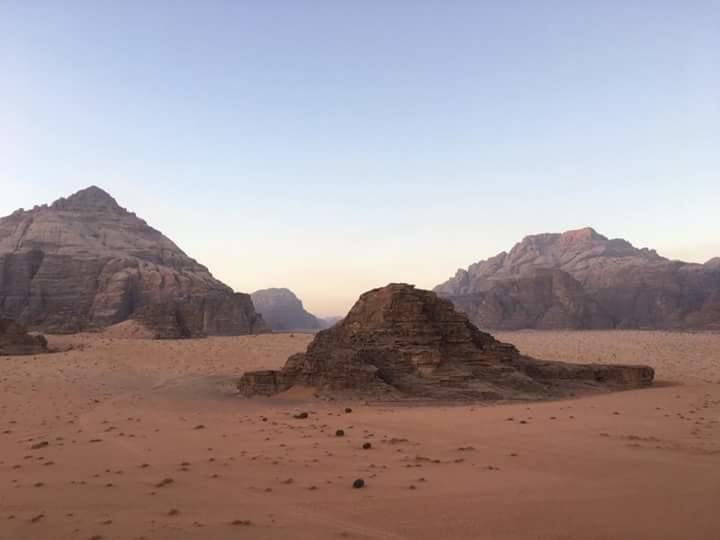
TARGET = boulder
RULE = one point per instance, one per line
(400, 342)
(15, 340)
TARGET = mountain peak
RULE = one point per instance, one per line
(581, 235)
(91, 198)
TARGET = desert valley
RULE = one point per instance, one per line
(317, 270)
(569, 388)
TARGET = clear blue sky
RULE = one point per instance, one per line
(334, 146)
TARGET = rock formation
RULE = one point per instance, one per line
(402, 342)
(85, 263)
(14, 340)
(581, 279)
(283, 311)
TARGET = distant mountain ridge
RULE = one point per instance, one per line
(284, 311)
(85, 263)
(582, 279)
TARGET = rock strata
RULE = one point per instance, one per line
(402, 342)
(85, 263)
(15, 340)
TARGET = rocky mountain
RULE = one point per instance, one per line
(283, 311)
(331, 321)
(85, 263)
(581, 279)
(15, 340)
(401, 342)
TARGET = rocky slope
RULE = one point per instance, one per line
(581, 279)
(284, 311)
(14, 340)
(84, 263)
(402, 342)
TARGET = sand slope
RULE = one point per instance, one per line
(147, 440)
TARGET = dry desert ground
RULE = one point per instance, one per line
(130, 438)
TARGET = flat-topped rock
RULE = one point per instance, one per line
(15, 340)
(402, 342)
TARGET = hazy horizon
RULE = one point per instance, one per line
(332, 149)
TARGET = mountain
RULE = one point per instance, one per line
(582, 279)
(331, 321)
(85, 263)
(284, 311)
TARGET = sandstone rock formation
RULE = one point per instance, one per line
(14, 340)
(581, 279)
(85, 263)
(283, 311)
(403, 342)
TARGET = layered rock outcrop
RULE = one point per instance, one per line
(85, 263)
(581, 279)
(403, 342)
(15, 340)
(284, 311)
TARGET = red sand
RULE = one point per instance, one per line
(120, 416)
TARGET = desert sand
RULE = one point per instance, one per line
(132, 438)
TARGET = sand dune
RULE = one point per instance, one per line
(130, 438)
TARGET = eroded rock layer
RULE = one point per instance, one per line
(85, 263)
(403, 342)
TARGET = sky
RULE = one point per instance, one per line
(331, 147)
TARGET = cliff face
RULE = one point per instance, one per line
(581, 279)
(283, 311)
(84, 263)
